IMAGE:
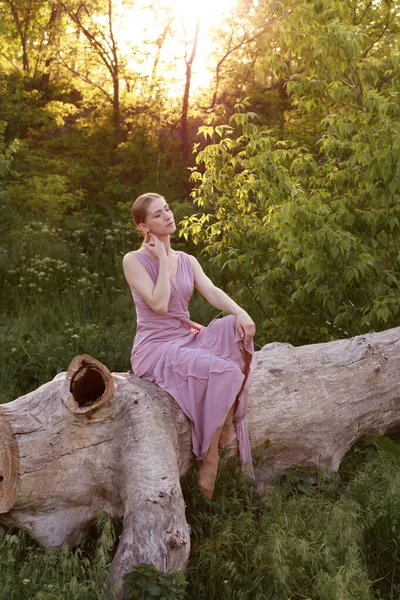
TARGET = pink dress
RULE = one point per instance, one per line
(200, 367)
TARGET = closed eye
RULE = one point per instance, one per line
(166, 208)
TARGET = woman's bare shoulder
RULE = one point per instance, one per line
(131, 257)
(136, 273)
(132, 262)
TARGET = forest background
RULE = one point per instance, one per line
(283, 173)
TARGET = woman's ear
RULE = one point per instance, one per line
(143, 228)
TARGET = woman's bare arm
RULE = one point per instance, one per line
(155, 295)
(218, 298)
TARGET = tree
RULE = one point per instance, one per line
(264, 44)
(311, 229)
(102, 41)
(30, 33)
(185, 103)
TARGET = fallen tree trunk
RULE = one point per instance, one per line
(92, 441)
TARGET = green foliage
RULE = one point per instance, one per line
(376, 489)
(302, 213)
(47, 196)
(309, 237)
(145, 582)
(61, 291)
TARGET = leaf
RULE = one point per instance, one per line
(393, 186)
(334, 251)
(386, 170)
(383, 313)
(206, 131)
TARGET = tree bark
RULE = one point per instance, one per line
(185, 102)
(92, 441)
(53, 32)
(22, 20)
(105, 46)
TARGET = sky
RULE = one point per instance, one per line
(135, 27)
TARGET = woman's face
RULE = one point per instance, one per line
(159, 219)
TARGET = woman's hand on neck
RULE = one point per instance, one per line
(158, 247)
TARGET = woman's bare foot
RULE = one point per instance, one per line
(226, 435)
(208, 468)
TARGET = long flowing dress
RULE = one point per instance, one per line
(205, 369)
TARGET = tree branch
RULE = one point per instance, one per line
(18, 23)
(83, 77)
(90, 37)
(260, 306)
(363, 14)
(228, 53)
(160, 43)
(10, 61)
(381, 34)
(110, 27)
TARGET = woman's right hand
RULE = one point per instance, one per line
(155, 246)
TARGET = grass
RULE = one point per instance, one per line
(316, 536)
(285, 545)
(30, 572)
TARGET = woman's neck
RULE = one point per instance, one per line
(167, 243)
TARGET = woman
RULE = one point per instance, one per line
(205, 369)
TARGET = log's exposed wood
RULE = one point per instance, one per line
(92, 441)
(91, 385)
(9, 465)
(311, 404)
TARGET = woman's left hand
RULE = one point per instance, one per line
(245, 325)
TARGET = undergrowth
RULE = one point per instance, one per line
(283, 545)
(28, 572)
(336, 541)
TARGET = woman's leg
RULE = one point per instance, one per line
(226, 433)
(208, 467)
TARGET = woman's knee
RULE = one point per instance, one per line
(230, 321)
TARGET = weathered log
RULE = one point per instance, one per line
(92, 441)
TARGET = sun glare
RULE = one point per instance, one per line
(209, 12)
(144, 26)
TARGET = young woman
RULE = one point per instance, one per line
(207, 370)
